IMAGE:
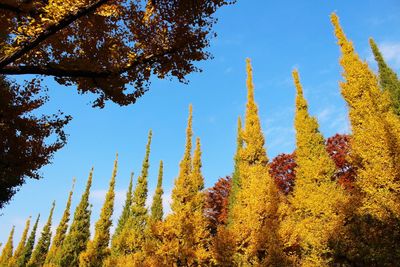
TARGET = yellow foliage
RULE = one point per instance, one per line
(185, 239)
(376, 133)
(254, 213)
(314, 212)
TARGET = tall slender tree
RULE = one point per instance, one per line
(317, 198)
(79, 233)
(375, 141)
(132, 239)
(7, 251)
(157, 205)
(254, 213)
(124, 215)
(27, 252)
(42, 247)
(97, 249)
(388, 79)
(55, 248)
(21, 245)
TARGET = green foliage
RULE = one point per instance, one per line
(124, 215)
(79, 233)
(157, 205)
(97, 249)
(388, 79)
(27, 252)
(55, 249)
(132, 238)
(42, 247)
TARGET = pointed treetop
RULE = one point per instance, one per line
(249, 82)
(27, 252)
(42, 247)
(156, 207)
(301, 102)
(252, 135)
(21, 244)
(189, 135)
(160, 174)
(7, 251)
(125, 212)
(197, 176)
(388, 79)
(345, 45)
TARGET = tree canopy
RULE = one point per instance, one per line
(103, 46)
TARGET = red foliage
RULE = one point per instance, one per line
(216, 206)
(282, 169)
(338, 147)
(283, 166)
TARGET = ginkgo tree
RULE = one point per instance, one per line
(103, 46)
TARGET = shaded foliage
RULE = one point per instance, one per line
(102, 46)
(24, 136)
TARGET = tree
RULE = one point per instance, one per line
(375, 133)
(27, 252)
(131, 240)
(24, 137)
(7, 251)
(42, 247)
(283, 169)
(388, 79)
(157, 205)
(103, 46)
(372, 228)
(216, 203)
(254, 214)
(315, 213)
(21, 245)
(97, 249)
(54, 251)
(235, 176)
(79, 233)
(184, 237)
(124, 215)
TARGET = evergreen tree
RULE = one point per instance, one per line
(42, 247)
(79, 233)
(376, 133)
(21, 245)
(125, 213)
(27, 252)
(388, 79)
(254, 213)
(235, 176)
(184, 234)
(97, 249)
(7, 251)
(157, 206)
(133, 236)
(55, 248)
(317, 198)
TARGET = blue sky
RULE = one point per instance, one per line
(277, 37)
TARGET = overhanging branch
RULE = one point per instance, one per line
(52, 29)
(62, 71)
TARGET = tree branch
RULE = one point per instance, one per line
(62, 71)
(52, 29)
